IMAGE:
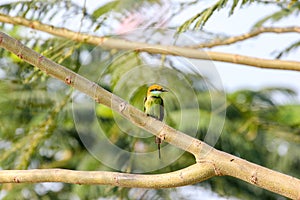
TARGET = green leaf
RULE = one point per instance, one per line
(202, 17)
(234, 4)
(288, 49)
(104, 9)
(279, 15)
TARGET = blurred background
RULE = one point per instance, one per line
(251, 113)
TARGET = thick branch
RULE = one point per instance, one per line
(256, 32)
(255, 174)
(112, 43)
(209, 162)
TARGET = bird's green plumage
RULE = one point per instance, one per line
(154, 107)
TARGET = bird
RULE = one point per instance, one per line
(154, 107)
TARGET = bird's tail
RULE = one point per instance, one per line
(158, 142)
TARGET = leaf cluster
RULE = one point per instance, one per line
(199, 20)
(286, 9)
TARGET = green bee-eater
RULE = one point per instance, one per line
(154, 107)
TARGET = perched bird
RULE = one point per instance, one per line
(154, 107)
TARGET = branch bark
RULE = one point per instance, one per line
(113, 43)
(189, 175)
(209, 161)
(256, 32)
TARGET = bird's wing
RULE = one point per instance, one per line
(162, 112)
(145, 99)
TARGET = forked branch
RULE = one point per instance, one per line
(209, 161)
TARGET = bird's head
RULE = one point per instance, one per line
(155, 90)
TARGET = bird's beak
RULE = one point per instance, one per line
(164, 90)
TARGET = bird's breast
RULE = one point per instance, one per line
(154, 107)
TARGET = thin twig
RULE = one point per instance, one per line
(254, 33)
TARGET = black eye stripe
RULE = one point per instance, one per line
(155, 90)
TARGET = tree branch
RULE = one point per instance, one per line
(256, 32)
(113, 43)
(189, 175)
(209, 161)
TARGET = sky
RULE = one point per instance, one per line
(237, 76)
(234, 76)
